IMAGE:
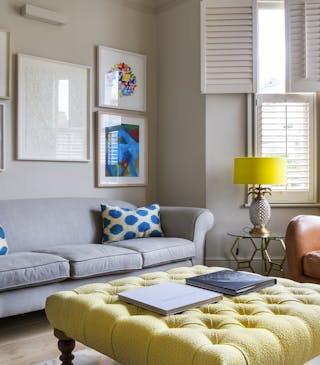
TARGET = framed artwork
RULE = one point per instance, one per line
(121, 149)
(2, 157)
(121, 79)
(54, 110)
(5, 64)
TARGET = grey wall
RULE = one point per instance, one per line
(192, 131)
(181, 108)
(91, 23)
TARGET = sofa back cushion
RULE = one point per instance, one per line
(124, 224)
(3, 243)
(37, 223)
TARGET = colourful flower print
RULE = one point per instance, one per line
(123, 74)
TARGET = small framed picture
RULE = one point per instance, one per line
(2, 156)
(121, 79)
(121, 150)
(54, 110)
(5, 64)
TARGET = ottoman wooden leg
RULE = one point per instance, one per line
(66, 346)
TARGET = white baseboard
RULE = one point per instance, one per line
(210, 261)
(231, 264)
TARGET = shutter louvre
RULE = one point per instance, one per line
(228, 49)
(303, 45)
(283, 130)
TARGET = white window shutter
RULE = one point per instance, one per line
(286, 128)
(228, 46)
(303, 45)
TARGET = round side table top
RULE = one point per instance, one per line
(243, 234)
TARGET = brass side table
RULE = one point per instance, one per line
(267, 264)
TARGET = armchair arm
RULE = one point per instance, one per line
(189, 223)
(302, 236)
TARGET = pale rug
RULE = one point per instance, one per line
(84, 357)
(91, 357)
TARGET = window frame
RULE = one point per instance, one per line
(295, 82)
(286, 197)
(215, 76)
(291, 197)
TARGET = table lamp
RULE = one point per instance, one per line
(259, 171)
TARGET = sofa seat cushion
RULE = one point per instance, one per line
(22, 269)
(160, 250)
(96, 259)
(311, 264)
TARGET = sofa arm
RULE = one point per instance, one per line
(302, 236)
(189, 223)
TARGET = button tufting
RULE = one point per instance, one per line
(274, 326)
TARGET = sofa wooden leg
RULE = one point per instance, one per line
(66, 346)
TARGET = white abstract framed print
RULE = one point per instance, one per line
(54, 110)
(5, 64)
(121, 79)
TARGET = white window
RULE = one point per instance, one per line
(269, 47)
(286, 128)
(229, 44)
(285, 122)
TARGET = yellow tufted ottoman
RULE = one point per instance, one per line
(278, 325)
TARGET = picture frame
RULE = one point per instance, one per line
(54, 110)
(5, 64)
(121, 154)
(2, 137)
(121, 79)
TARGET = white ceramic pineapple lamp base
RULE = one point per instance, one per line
(260, 214)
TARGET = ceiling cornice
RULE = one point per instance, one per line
(147, 6)
(150, 6)
(162, 5)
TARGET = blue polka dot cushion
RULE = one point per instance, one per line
(125, 224)
(3, 243)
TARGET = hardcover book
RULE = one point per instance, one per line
(169, 298)
(231, 282)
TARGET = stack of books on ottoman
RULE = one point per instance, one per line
(231, 282)
(171, 298)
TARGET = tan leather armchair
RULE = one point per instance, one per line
(303, 248)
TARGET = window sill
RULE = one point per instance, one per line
(288, 205)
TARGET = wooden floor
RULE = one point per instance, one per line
(27, 339)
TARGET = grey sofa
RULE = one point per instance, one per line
(54, 244)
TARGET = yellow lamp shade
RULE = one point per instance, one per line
(260, 170)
